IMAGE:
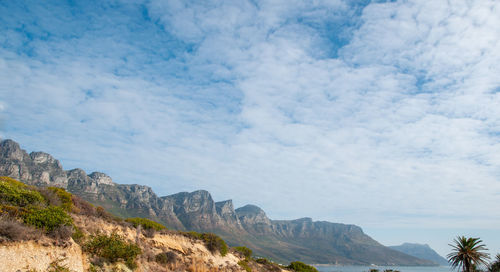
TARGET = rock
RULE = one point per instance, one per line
(101, 178)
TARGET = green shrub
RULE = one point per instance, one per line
(113, 248)
(166, 257)
(145, 223)
(55, 266)
(193, 235)
(64, 196)
(301, 267)
(245, 251)
(244, 265)
(102, 213)
(214, 243)
(263, 261)
(77, 235)
(17, 193)
(49, 218)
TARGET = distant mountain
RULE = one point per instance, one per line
(420, 251)
(281, 240)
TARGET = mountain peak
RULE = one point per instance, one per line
(421, 251)
(250, 209)
(11, 149)
(101, 178)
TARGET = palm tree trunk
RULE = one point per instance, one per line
(467, 266)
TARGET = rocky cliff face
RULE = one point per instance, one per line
(283, 240)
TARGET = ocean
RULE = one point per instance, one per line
(338, 268)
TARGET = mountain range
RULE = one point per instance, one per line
(421, 251)
(281, 240)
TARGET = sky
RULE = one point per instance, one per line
(383, 114)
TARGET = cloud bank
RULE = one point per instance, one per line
(378, 114)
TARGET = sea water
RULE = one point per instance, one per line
(338, 268)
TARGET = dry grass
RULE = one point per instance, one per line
(13, 230)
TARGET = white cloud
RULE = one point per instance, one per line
(397, 130)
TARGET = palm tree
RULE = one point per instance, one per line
(495, 265)
(467, 254)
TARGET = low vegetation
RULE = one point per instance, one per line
(245, 251)
(301, 267)
(49, 218)
(45, 210)
(244, 264)
(113, 248)
(213, 242)
(145, 223)
(15, 193)
(166, 257)
(64, 197)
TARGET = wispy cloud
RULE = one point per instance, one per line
(372, 113)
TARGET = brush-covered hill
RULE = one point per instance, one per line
(49, 229)
(281, 240)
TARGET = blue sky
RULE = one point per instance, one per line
(381, 114)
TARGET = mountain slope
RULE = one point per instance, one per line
(282, 240)
(424, 252)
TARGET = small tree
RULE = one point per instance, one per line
(467, 253)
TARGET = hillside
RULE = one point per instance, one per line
(281, 240)
(424, 252)
(48, 229)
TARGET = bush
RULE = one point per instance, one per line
(64, 196)
(12, 211)
(301, 267)
(245, 251)
(263, 261)
(17, 231)
(102, 213)
(113, 248)
(145, 223)
(62, 233)
(268, 265)
(82, 207)
(77, 235)
(49, 218)
(244, 265)
(17, 193)
(166, 257)
(193, 235)
(214, 243)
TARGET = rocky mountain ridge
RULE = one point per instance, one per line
(283, 240)
(422, 251)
